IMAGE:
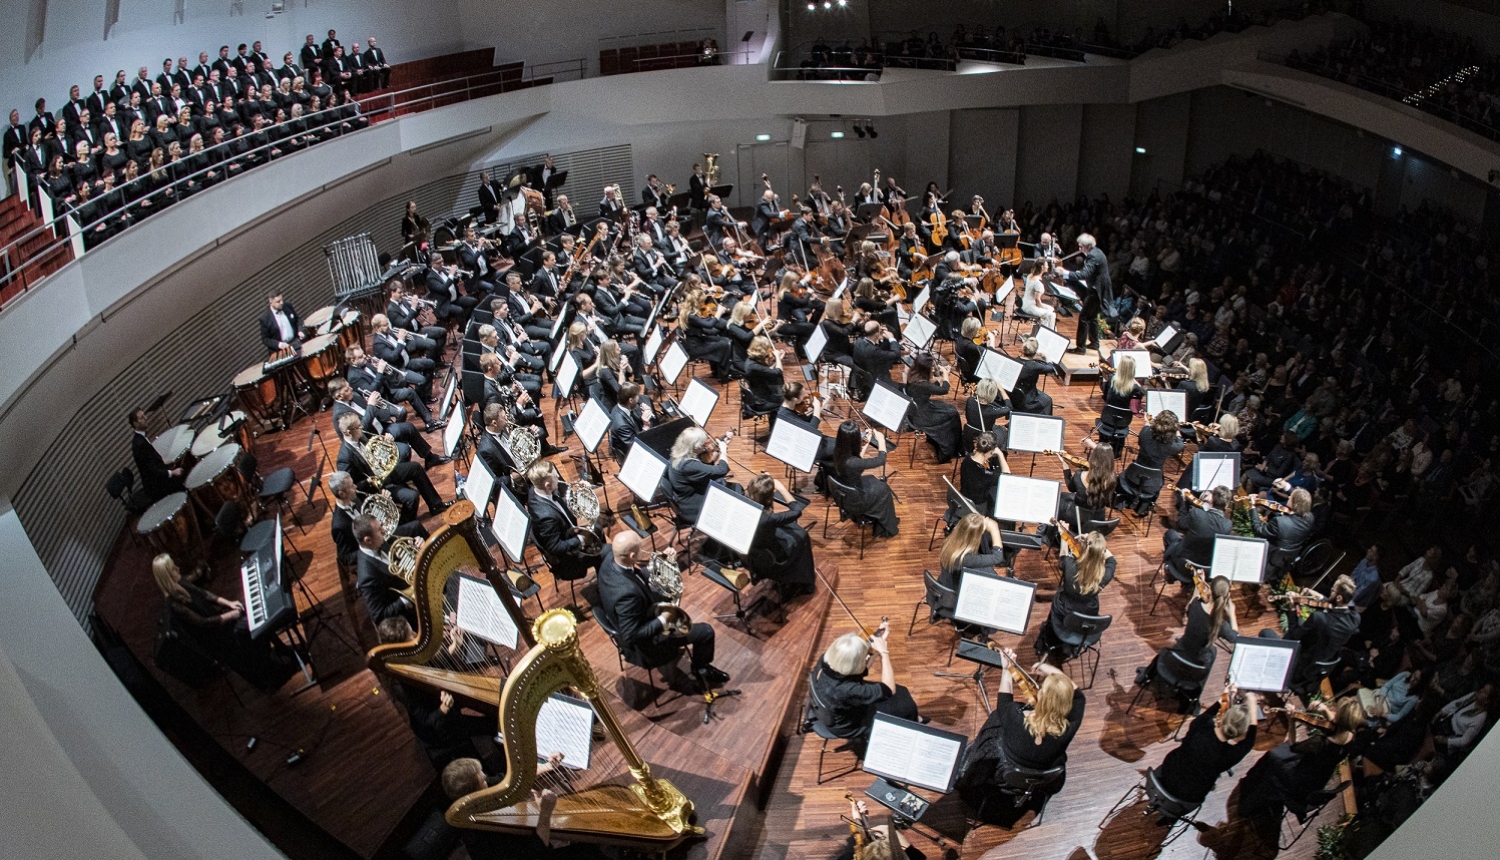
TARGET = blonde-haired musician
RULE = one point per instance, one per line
(1033, 738)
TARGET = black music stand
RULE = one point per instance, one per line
(983, 659)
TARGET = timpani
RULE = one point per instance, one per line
(318, 320)
(256, 391)
(233, 427)
(217, 479)
(173, 444)
(170, 526)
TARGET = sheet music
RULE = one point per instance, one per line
(565, 725)
(480, 612)
(996, 602)
(1141, 357)
(919, 331)
(509, 524)
(1001, 368)
(1262, 665)
(921, 300)
(479, 487)
(1163, 400)
(653, 343)
(672, 363)
(1239, 559)
(698, 401)
(448, 393)
(642, 470)
(886, 407)
(1035, 433)
(795, 445)
(1050, 345)
(1165, 336)
(1026, 500)
(567, 376)
(1214, 469)
(815, 343)
(591, 424)
(729, 518)
(557, 353)
(1065, 291)
(900, 750)
(1004, 292)
(455, 429)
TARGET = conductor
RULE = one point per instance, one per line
(1092, 275)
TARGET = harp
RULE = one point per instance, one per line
(625, 806)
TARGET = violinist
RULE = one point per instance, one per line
(696, 461)
(874, 843)
(1086, 570)
(986, 408)
(726, 269)
(968, 349)
(1218, 739)
(1208, 620)
(781, 550)
(1294, 777)
(1322, 634)
(743, 328)
(926, 384)
(838, 326)
(979, 473)
(876, 353)
(1091, 489)
(974, 544)
(1287, 533)
(844, 701)
(701, 326)
(876, 304)
(1026, 395)
(1199, 521)
(795, 309)
(1142, 480)
(764, 376)
(1034, 736)
(850, 462)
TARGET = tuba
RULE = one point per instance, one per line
(584, 506)
(382, 456)
(524, 449)
(712, 173)
(666, 580)
(384, 509)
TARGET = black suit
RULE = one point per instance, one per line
(377, 588)
(1092, 276)
(624, 426)
(496, 458)
(1193, 539)
(654, 197)
(379, 68)
(876, 359)
(443, 289)
(270, 332)
(408, 482)
(309, 56)
(427, 337)
(1287, 534)
(628, 603)
(364, 379)
(383, 420)
(156, 478)
(418, 371)
(552, 529)
(489, 203)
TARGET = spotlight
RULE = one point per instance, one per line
(870, 130)
(812, 7)
(858, 131)
(843, 3)
(836, 135)
(827, 4)
(1140, 150)
(1396, 152)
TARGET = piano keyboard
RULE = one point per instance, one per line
(255, 594)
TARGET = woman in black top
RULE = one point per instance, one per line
(986, 408)
(763, 376)
(781, 550)
(740, 334)
(967, 353)
(979, 473)
(414, 227)
(844, 701)
(139, 146)
(876, 305)
(840, 332)
(1293, 776)
(1083, 578)
(1034, 736)
(1143, 479)
(794, 310)
(218, 625)
(936, 418)
(1121, 395)
(1090, 491)
(112, 160)
(57, 183)
(1026, 397)
(1206, 622)
(163, 135)
(614, 371)
(877, 843)
(702, 334)
(871, 496)
(582, 351)
(1216, 741)
(1199, 392)
(973, 544)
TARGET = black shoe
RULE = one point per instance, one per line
(434, 426)
(436, 460)
(438, 508)
(549, 450)
(1078, 350)
(712, 676)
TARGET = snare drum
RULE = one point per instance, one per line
(234, 426)
(170, 527)
(323, 357)
(217, 479)
(318, 319)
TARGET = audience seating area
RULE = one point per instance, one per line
(651, 58)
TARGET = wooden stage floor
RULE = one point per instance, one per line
(363, 770)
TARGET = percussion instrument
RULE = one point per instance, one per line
(324, 357)
(170, 526)
(174, 443)
(232, 426)
(217, 479)
(256, 391)
(350, 329)
(318, 320)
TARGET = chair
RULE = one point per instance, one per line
(1080, 634)
(839, 494)
(1316, 801)
(1314, 559)
(1103, 527)
(1180, 677)
(1023, 784)
(940, 601)
(1113, 426)
(815, 719)
(748, 410)
(1306, 684)
(1160, 801)
(1175, 572)
(121, 488)
(272, 488)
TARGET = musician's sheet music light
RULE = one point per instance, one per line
(565, 725)
(642, 470)
(591, 425)
(1159, 400)
(1034, 434)
(921, 300)
(1141, 357)
(653, 344)
(729, 518)
(509, 525)
(672, 363)
(913, 754)
(919, 331)
(1262, 665)
(455, 429)
(1216, 469)
(1001, 368)
(479, 487)
(886, 406)
(794, 444)
(1050, 345)
(1026, 500)
(698, 401)
(995, 602)
(815, 343)
(1239, 559)
(567, 376)
(480, 612)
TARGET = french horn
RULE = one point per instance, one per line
(385, 511)
(584, 506)
(381, 454)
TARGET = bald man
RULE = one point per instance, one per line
(629, 605)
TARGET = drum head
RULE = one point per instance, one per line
(318, 344)
(174, 443)
(211, 437)
(212, 465)
(318, 317)
(249, 376)
(160, 513)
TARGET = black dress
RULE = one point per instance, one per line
(1070, 599)
(936, 418)
(840, 346)
(872, 496)
(739, 343)
(982, 416)
(1189, 772)
(848, 703)
(1004, 741)
(1287, 777)
(705, 340)
(977, 483)
(765, 384)
(782, 550)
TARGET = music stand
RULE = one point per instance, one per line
(1262, 665)
(903, 753)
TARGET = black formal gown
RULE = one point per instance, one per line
(936, 418)
(782, 550)
(871, 497)
(1189, 772)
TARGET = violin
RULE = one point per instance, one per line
(1200, 584)
(1309, 601)
(1020, 680)
(1067, 537)
(1309, 718)
(1073, 460)
(1193, 498)
(810, 405)
(1275, 507)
